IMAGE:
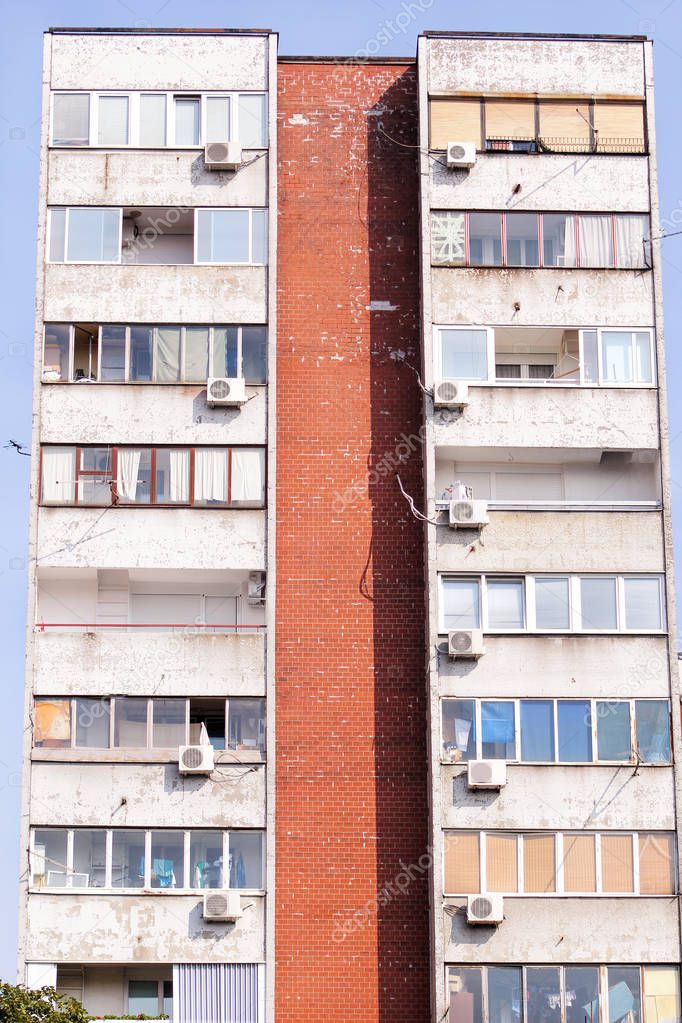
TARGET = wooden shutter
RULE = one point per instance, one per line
(509, 119)
(462, 870)
(501, 872)
(565, 125)
(539, 873)
(616, 863)
(656, 865)
(579, 864)
(455, 120)
(619, 127)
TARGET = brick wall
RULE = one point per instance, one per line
(350, 647)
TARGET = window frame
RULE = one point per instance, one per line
(134, 119)
(229, 209)
(81, 262)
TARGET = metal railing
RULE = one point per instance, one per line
(563, 144)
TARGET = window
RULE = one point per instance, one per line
(619, 127)
(113, 121)
(206, 860)
(252, 114)
(246, 725)
(552, 606)
(614, 740)
(52, 723)
(143, 997)
(498, 739)
(153, 119)
(168, 859)
(454, 119)
(565, 125)
(113, 357)
(652, 731)
(48, 859)
(89, 859)
(187, 120)
(542, 863)
(92, 723)
(598, 603)
(505, 604)
(642, 603)
(595, 240)
(84, 235)
(71, 119)
(574, 722)
(461, 603)
(464, 354)
(169, 726)
(128, 859)
(246, 859)
(218, 119)
(537, 731)
(231, 236)
(459, 730)
(229, 477)
(130, 722)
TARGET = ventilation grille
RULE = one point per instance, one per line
(219, 389)
(217, 152)
(460, 642)
(447, 391)
(481, 907)
(192, 758)
(463, 511)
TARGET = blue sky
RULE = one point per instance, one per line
(304, 28)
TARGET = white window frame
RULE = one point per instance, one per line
(81, 262)
(222, 209)
(490, 350)
(134, 116)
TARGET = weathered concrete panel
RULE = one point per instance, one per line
(152, 178)
(579, 182)
(536, 541)
(139, 929)
(80, 795)
(152, 538)
(182, 61)
(562, 797)
(640, 930)
(147, 414)
(602, 298)
(129, 663)
(536, 66)
(155, 294)
(617, 667)
(557, 417)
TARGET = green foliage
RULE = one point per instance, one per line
(21, 1005)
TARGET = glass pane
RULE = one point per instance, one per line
(130, 722)
(58, 483)
(225, 355)
(543, 995)
(208, 714)
(616, 356)
(95, 488)
(461, 608)
(616, 863)
(581, 986)
(505, 997)
(141, 353)
(113, 353)
(247, 725)
(85, 353)
(93, 236)
(127, 859)
(247, 477)
(465, 988)
(187, 121)
(501, 863)
(252, 121)
(497, 730)
(143, 997)
(643, 365)
(505, 603)
(172, 475)
(52, 723)
(168, 722)
(152, 120)
(92, 724)
(522, 239)
(218, 119)
(613, 730)
(255, 355)
(57, 235)
(168, 859)
(113, 121)
(485, 239)
(206, 859)
(464, 354)
(196, 354)
(625, 1000)
(246, 859)
(48, 863)
(223, 236)
(71, 119)
(539, 865)
(537, 730)
(89, 859)
(595, 237)
(167, 355)
(580, 874)
(598, 603)
(459, 730)
(211, 469)
(632, 240)
(133, 480)
(661, 994)
(56, 351)
(656, 864)
(259, 229)
(574, 722)
(461, 861)
(552, 606)
(590, 357)
(653, 731)
(558, 239)
(447, 239)
(642, 603)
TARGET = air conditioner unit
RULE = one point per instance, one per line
(222, 156)
(487, 774)
(465, 643)
(468, 514)
(195, 759)
(485, 909)
(225, 391)
(255, 590)
(461, 154)
(450, 394)
(221, 907)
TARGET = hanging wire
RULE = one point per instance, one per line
(415, 511)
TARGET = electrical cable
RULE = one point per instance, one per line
(415, 511)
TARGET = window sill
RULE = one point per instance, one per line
(562, 506)
(556, 763)
(251, 893)
(556, 385)
(223, 758)
(490, 633)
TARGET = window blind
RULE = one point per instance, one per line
(455, 120)
(462, 863)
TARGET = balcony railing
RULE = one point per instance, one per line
(562, 144)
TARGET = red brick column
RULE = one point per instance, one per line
(351, 769)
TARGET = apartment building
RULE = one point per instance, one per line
(354, 696)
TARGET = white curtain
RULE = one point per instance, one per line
(631, 230)
(248, 471)
(128, 472)
(179, 476)
(59, 475)
(210, 474)
(570, 253)
(167, 354)
(596, 241)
